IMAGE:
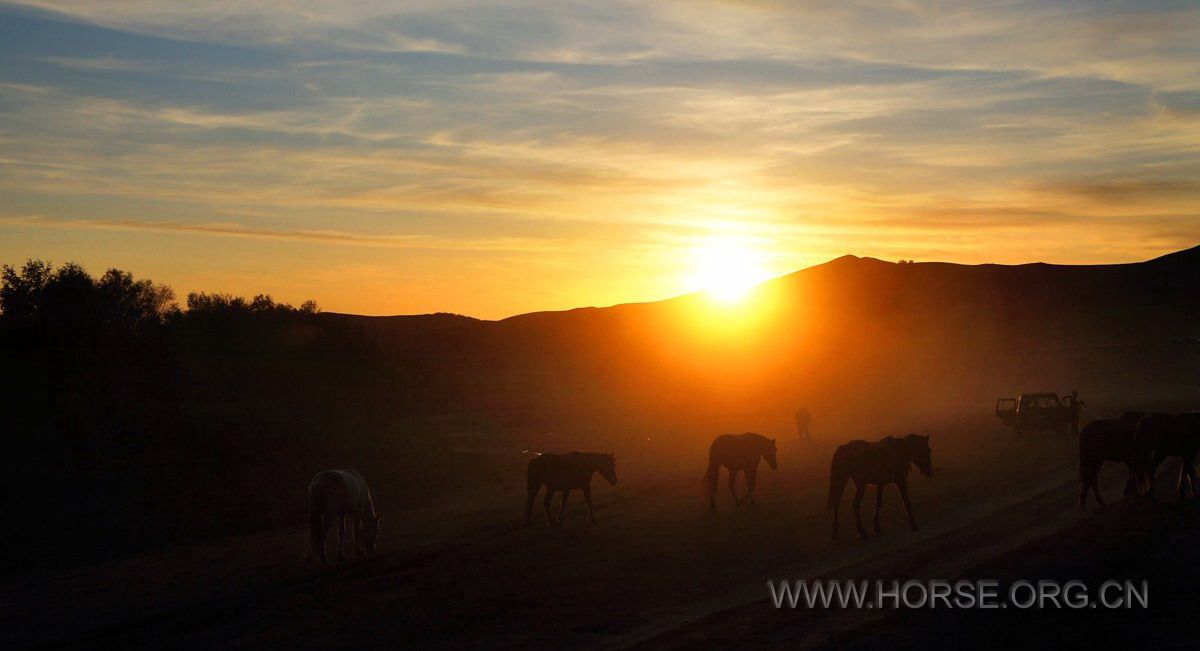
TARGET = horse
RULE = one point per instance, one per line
(1110, 439)
(566, 472)
(737, 452)
(882, 463)
(1159, 436)
(803, 421)
(333, 495)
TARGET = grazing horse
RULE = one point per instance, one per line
(1159, 436)
(1110, 439)
(737, 452)
(566, 472)
(882, 463)
(333, 495)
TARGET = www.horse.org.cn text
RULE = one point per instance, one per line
(962, 594)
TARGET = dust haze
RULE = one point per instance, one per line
(171, 449)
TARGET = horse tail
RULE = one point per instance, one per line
(837, 480)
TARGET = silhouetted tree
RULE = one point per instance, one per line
(130, 304)
(21, 292)
(135, 416)
(69, 299)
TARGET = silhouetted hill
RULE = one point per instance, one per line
(144, 424)
(880, 339)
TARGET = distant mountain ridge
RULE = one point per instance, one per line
(841, 334)
(1182, 260)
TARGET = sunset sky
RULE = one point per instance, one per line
(386, 157)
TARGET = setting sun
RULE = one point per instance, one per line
(727, 268)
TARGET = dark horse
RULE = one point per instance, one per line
(882, 463)
(737, 452)
(566, 472)
(1110, 439)
(1159, 436)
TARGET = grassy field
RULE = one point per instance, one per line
(465, 572)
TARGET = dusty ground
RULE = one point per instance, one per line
(656, 573)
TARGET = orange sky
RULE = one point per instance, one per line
(491, 160)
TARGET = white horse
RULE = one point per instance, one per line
(333, 495)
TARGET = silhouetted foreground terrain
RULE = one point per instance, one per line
(163, 456)
(656, 572)
(143, 424)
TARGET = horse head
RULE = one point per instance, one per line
(769, 453)
(608, 468)
(919, 453)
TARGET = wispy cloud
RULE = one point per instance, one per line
(228, 229)
(609, 134)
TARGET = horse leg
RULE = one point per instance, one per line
(1092, 479)
(316, 531)
(563, 506)
(529, 505)
(360, 524)
(858, 497)
(330, 528)
(1185, 478)
(1096, 489)
(751, 481)
(878, 506)
(1151, 472)
(1083, 489)
(341, 527)
(912, 520)
(546, 505)
(1130, 484)
(1190, 465)
(732, 478)
(1087, 473)
(587, 497)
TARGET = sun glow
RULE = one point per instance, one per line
(727, 268)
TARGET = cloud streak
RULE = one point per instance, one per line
(611, 135)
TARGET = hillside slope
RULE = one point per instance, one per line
(852, 337)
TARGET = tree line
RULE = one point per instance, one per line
(142, 422)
